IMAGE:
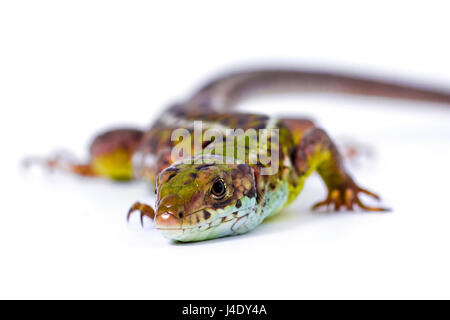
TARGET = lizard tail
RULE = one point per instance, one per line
(226, 91)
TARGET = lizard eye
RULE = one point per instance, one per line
(218, 189)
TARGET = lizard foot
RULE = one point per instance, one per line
(144, 209)
(63, 161)
(347, 196)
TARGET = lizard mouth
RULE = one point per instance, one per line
(220, 226)
(201, 226)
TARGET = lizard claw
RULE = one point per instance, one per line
(348, 196)
(144, 209)
(61, 160)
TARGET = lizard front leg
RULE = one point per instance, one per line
(317, 152)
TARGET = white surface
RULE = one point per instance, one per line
(68, 69)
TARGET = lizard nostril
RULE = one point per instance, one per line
(165, 216)
(165, 220)
(170, 212)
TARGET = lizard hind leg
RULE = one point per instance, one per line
(316, 151)
(110, 156)
(62, 161)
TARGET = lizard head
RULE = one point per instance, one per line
(204, 201)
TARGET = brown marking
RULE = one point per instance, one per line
(196, 201)
(251, 193)
(193, 175)
(245, 168)
(223, 204)
(204, 166)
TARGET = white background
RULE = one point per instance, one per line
(71, 68)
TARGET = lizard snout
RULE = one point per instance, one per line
(170, 212)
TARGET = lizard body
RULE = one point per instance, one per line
(223, 187)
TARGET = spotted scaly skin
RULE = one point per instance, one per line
(214, 193)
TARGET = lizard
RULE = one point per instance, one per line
(209, 192)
